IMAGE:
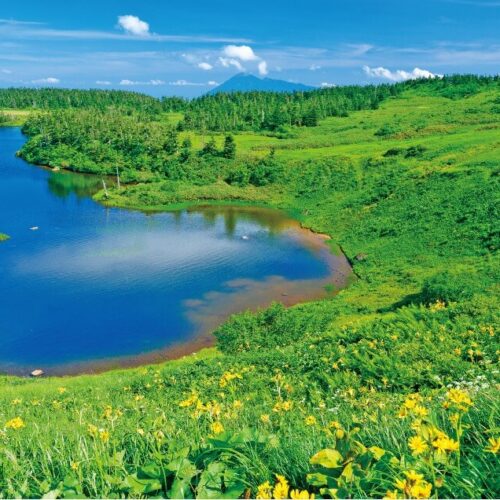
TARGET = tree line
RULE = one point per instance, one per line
(103, 142)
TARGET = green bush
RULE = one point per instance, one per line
(449, 286)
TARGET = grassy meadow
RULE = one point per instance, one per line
(388, 389)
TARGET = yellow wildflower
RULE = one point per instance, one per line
(237, 404)
(92, 430)
(414, 486)
(417, 445)
(104, 435)
(189, 401)
(227, 377)
(61, 390)
(159, 435)
(437, 306)
(421, 490)
(265, 419)
(217, 427)
(298, 494)
(108, 412)
(458, 399)
(391, 494)
(74, 466)
(16, 402)
(420, 411)
(445, 444)
(140, 432)
(413, 476)
(282, 406)
(310, 420)
(494, 445)
(409, 404)
(264, 491)
(401, 484)
(281, 487)
(15, 424)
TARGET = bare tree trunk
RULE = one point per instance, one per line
(105, 189)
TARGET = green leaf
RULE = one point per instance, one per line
(150, 471)
(317, 479)
(141, 486)
(210, 485)
(52, 494)
(181, 488)
(328, 458)
(348, 472)
(117, 459)
(182, 467)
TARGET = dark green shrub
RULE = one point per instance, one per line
(449, 286)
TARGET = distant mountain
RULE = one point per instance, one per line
(244, 82)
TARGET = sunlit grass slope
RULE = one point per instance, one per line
(388, 389)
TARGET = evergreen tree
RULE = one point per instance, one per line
(310, 118)
(229, 149)
(210, 148)
(185, 152)
(171, 144)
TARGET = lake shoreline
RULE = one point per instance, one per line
(258, 295)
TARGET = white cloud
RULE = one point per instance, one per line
(234, 55)
(231, 62)
(263, 68)
(128, 82)
(212, 83)
(241, 52)
(133, 25)
(314, 67)
(185, 83)
(399, 75)
(327, 85)
(135, 82)
(49, 80)
(359, 49)
(103, 82)
(206, 66)
(11, 29)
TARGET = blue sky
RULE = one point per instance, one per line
(175, 47)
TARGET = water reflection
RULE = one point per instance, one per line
(94, 284)
(63, 184)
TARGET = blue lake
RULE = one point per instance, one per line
(97, 287)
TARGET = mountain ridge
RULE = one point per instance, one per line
(246, 82)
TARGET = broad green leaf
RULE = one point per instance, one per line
(317, 479)
(328, 458)
(181, 488)
(348, 472)
(150, 471)
(142, 486)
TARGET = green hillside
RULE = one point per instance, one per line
(389, 388)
